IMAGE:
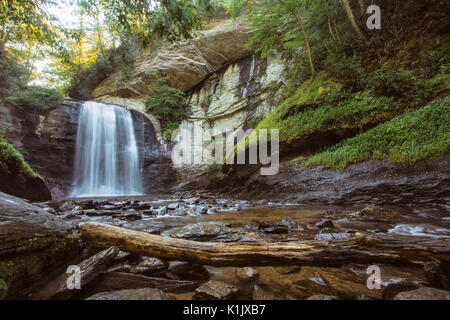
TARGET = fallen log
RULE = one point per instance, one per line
(358, 248)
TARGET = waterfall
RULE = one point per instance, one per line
(107, 155)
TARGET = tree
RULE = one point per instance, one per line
(276, 24)
(25, 20)
(351, 17)
(146, 20)
(301, 25)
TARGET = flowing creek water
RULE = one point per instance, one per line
(215, 219)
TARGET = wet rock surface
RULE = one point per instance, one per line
(381, 183)
(255, 222)
(424, 294)
(136, 294)
(215, 290)
(32, 242)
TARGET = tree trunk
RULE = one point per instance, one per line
(362, 7)
(325, 4)
(299, 20)
(359, 248)
(3, 38)
(352, 19)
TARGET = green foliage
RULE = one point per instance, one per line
(173, 20)
(84, 80)
(35, 98)
(408, 138)
(25, 20)
(12, 75)
(168, 104)
(394, 83)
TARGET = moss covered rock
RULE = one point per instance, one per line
(33, 246)
(17, 177)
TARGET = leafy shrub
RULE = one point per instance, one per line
(393, 83)
(167, 104)
(84, 81)
(347, 70)
(35, 98)
(11, 76)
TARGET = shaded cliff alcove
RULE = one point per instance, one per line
(156, 165)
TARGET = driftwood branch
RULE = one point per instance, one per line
(360, 248)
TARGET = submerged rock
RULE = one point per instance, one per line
(247, 275)
(324, 224)
(134, 294)
(273, 228)
(205, 231)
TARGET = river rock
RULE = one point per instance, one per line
(215, 290)
(34, 247)
(392, 289)
(205, 231)
(435, 274)
(187, 270)
(201, 210)
(262, 292)
(173, 206)
(134, 294)
(425, 293)
(120, 268)
(324, 224)
(273, 228)
(112, 281)
(150, 266)
(247, 274)
(331, 236)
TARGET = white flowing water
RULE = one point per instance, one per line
(107, 155)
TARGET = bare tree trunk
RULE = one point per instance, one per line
(325, 4)
(358, 248)
(362, 6)
(352, 19)
(299, 20)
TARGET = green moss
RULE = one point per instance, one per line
(13, 163)
(322, 105)
(309, 94)
(408, 138)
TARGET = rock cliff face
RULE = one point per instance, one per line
(47, 141)
(235, 97)
(186, 65)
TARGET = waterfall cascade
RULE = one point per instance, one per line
(107, 155)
